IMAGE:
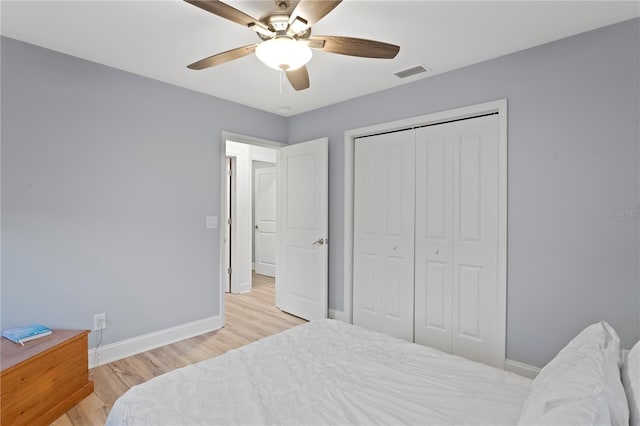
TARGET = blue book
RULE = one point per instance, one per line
(26, 333)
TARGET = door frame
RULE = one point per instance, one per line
(228, 211)
(249, 140)
(499, 106)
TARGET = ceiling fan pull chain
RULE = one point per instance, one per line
(280, 78)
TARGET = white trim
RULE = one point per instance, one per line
(349, 158)
(135, 345)
(521, 369)
(502, 225)
(499, 106)
(337, 315)
(249, 140)
(235, 137)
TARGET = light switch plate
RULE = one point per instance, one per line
(212, 222)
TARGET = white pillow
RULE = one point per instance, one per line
(631, 381)
(581, 385)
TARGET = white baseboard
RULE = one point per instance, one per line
(337, 315)
(135, 345)
(520, 368)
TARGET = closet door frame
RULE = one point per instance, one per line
(499, 106)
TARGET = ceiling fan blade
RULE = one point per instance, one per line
(313, 44)
(299, 78)
(311, 11)
(223, 57)
(357, 47)
(223, 10)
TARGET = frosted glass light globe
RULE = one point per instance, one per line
(283, 53)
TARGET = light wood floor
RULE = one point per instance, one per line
(249, 317)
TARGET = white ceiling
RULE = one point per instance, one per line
(158, 39)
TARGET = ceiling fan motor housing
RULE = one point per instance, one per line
(279, 22)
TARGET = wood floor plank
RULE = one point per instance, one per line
(90, 411)
(249, 317)
(62, 421)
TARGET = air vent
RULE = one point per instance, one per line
(411, 71)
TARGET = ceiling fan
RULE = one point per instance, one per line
(287, 40)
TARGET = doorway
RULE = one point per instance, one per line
(301, 252)
(245, 161)
(241, 155)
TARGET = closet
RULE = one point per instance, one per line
(426, 209)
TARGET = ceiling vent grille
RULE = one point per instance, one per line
(411, 71)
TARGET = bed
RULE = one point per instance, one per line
(328, 372)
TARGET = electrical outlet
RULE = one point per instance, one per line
(99, 322)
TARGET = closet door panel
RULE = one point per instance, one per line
(475, 239)
(435, 300)
(383, 233)
(434, 234)
(369, 270)
(367, 267)
(470, 302)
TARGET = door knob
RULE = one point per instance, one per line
(319, 241)
(436, 251)
(256, 226)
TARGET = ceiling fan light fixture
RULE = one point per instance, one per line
(283, 53)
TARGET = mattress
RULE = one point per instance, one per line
(327, 372)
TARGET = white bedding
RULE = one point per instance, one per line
(327, 372)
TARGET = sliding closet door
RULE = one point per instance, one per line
(383, 233)
(434, 236)
(456, 300)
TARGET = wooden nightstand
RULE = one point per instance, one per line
(43, 379)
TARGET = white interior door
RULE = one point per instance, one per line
(383, 219)
(302, 229)
(265, 228)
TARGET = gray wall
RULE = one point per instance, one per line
(107, 178)
(106, 181)
(573, 155)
